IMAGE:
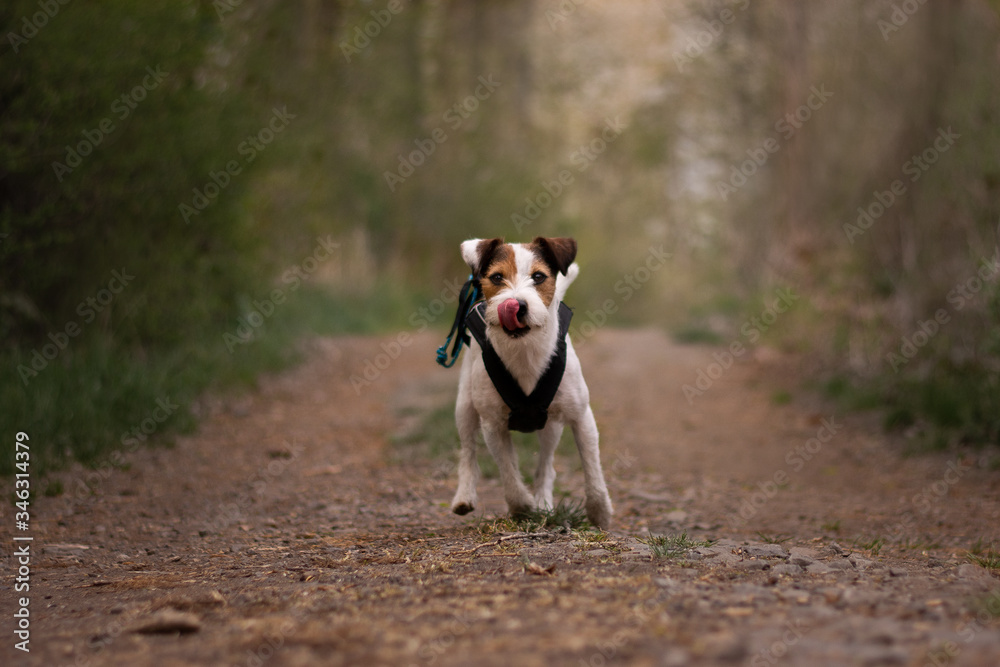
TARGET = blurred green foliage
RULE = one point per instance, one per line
(75, 94)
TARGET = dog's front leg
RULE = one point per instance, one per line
(545, 473)
(597, 501)
(467, 421)
(516, 494)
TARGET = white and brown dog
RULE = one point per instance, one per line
(523, 321)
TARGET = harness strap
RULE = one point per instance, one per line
(527, 413)
(466, 297)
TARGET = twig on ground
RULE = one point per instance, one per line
(499, 540)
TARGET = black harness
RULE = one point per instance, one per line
(527, 413)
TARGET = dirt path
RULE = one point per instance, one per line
(293, 530)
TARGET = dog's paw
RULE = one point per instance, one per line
(599, 512)
(544, 501)
(520, 510)
(462, 508)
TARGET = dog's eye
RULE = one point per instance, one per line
(497, 279)
(539, 277)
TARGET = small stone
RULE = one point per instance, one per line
(898, 572)
(833, 549)
(738, 612)
(818, 568)
(765, 551)
(752, 565)
(832, 595)
(794, 595)
(676, 657)
(860, 563)
(789, 569)
(723, 646)
(970, 571)
(802, 561)
(839, 564)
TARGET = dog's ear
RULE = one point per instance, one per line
(478, 253)
(558, 253)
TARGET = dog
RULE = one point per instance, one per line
(523, 285)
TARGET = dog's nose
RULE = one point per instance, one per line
(522, 309)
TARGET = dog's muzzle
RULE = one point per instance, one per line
(511, 313)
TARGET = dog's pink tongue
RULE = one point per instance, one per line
(508, 314)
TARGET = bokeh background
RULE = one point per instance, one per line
(189, 187)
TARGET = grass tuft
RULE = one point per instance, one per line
(568, 514)
(673, 546)
(984, 555)
(873, 546)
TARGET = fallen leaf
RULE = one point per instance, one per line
(535, 568)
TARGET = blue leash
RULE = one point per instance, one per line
(469, 295)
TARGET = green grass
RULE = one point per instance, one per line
(917, 544)
(872, 546)
(951, 403)
(987, 605)
(567, 514)
(984, 555)
(781, 397)
(672, 546)
(852, 395)
(86, 402)
(693, 334)
(773, 539)
(831, 526)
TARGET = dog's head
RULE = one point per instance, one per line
(519, 279)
